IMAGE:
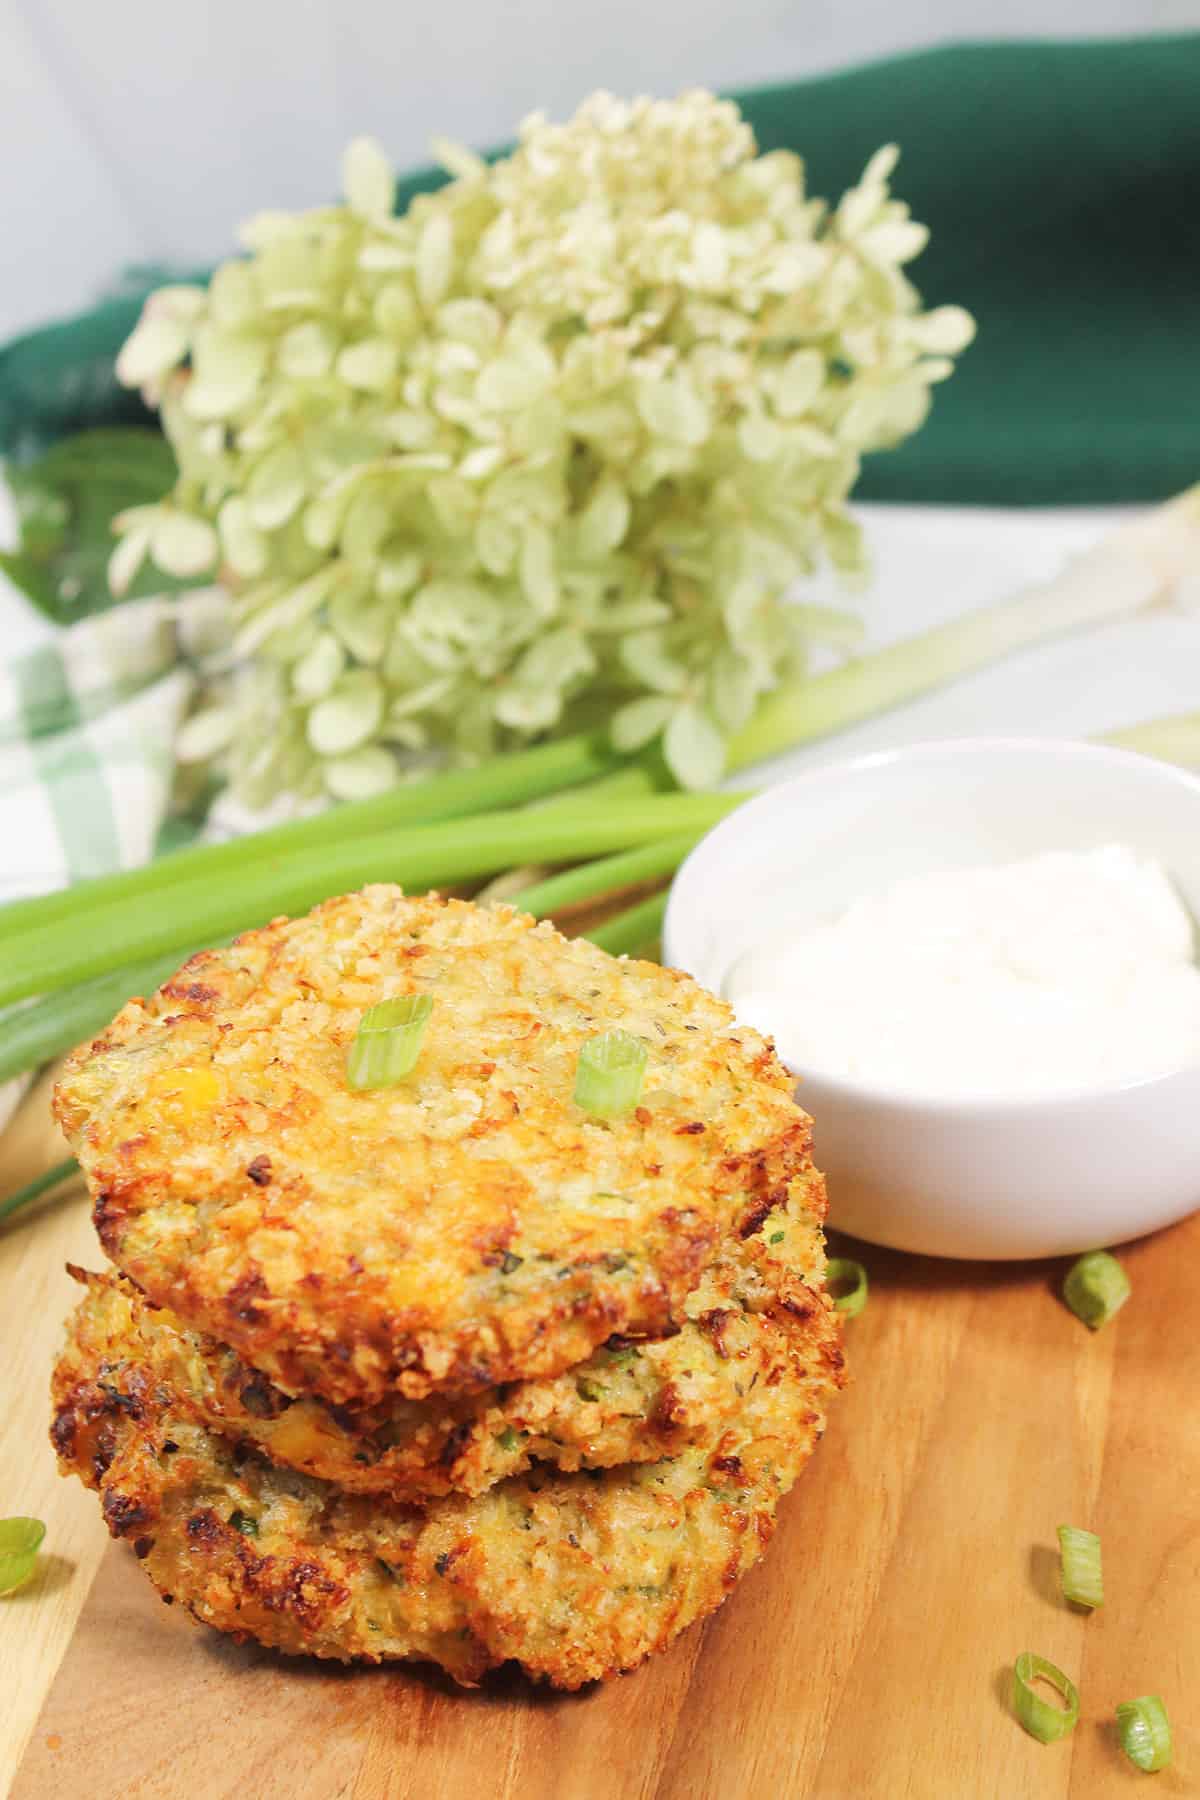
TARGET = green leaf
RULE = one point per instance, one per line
(66, 502)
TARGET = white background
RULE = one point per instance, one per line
(144, 129)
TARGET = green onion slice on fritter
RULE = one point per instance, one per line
(1040, 1717)
(610, 1074)
(388, 1042)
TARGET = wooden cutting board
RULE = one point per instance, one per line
(868, 1657)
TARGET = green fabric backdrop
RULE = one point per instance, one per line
(1062, 186)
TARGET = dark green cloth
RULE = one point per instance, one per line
(1062, 186)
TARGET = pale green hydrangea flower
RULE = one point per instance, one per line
(546, 450)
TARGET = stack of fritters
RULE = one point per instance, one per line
(450, 1369)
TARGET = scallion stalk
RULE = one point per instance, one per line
(610, 1073)
(388, 1041)
(1137, 566)
(633, 929)
(1175, 739)
(35, 1033)
(1145, 1732)
(1082, 1574)
(41, 1184)
(608, 875)
(1045, 1722)
(45, 959)
(1096, 1288)
(635, 781)
(502, 781)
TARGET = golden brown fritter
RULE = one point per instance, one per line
(573, 1576)
(467, 1227)
(632, 1401)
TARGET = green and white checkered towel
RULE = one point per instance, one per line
(87, 724)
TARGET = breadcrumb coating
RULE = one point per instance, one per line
(573, 1576)
(634, 1400)
(471, 1225)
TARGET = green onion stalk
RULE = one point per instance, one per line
(45, 1183)
(46, 957)
(89, 947)
(502, 782)
(1139, 566)
(1174, 740)
(635, 929)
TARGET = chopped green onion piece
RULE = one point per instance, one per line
(1082, 1576)
(610, 1073)
(841, 1269)
(1042, 1720)
(508, 1440)
(1096, 1287)
(1145, 1732)
(20, 1540)
(244, 1523)
(388, 1042)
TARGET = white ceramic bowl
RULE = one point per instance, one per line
(960, 1177)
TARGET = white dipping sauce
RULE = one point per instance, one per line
(1064, 971)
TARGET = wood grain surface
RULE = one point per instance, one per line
(868, 1657)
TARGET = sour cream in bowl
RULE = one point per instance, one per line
(979, 957)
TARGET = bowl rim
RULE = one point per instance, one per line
(937, 749)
